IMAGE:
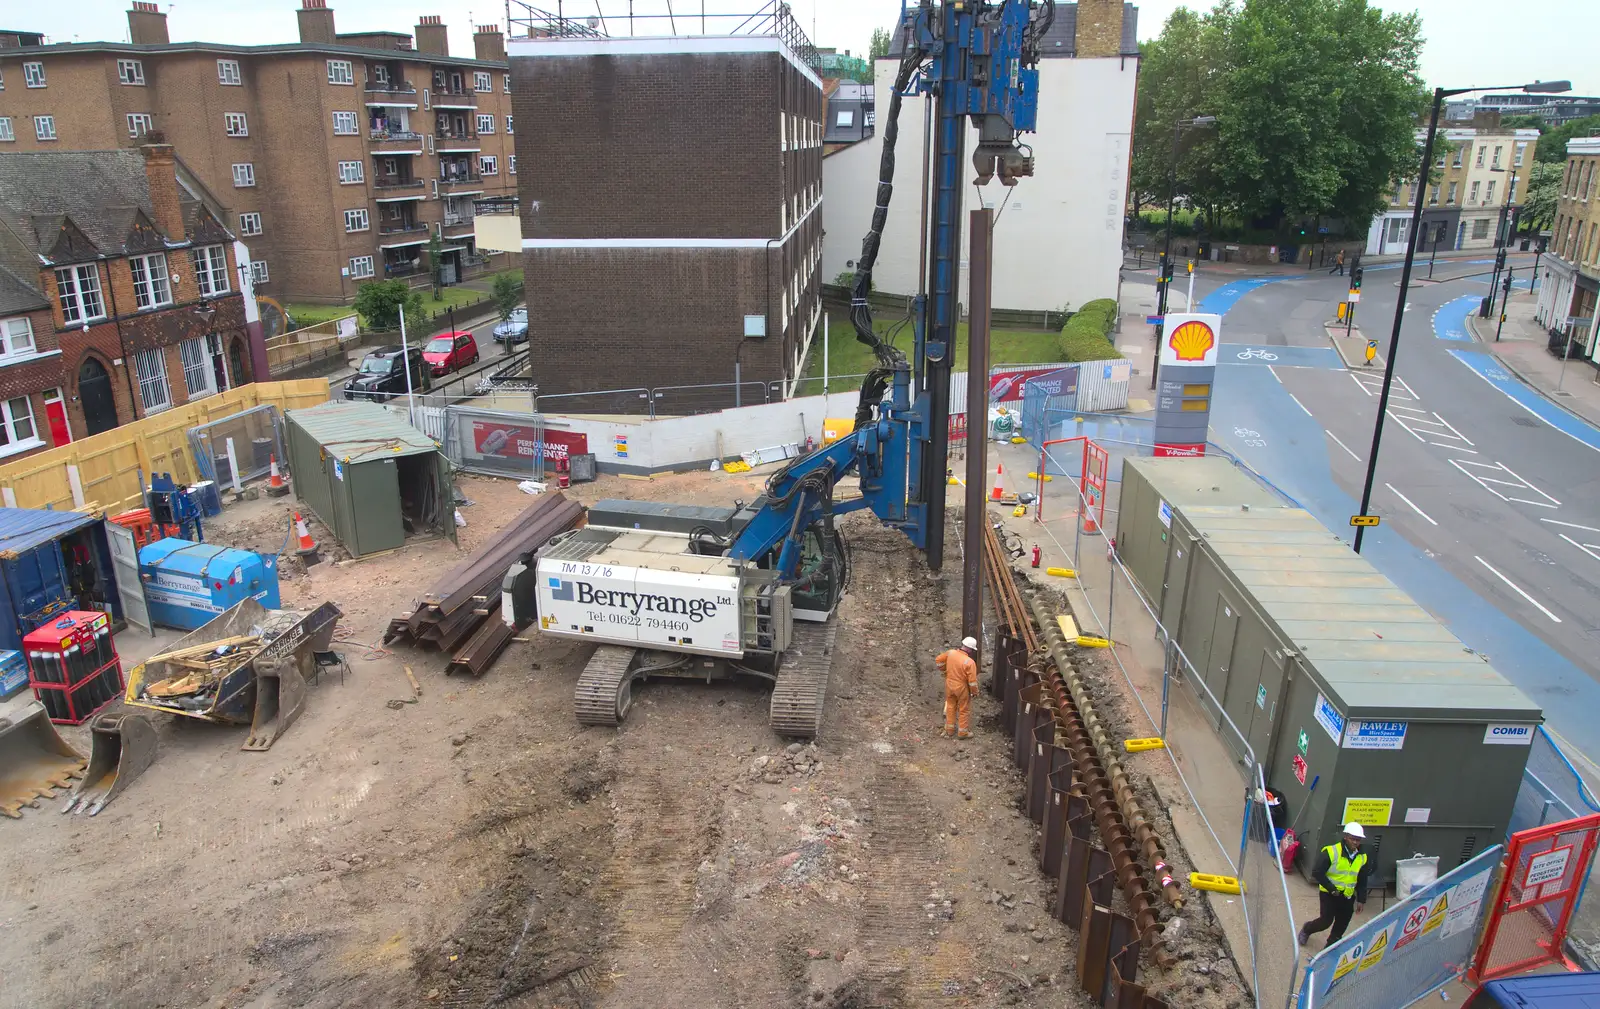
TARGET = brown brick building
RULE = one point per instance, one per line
(121, 294)
(337, 157)
(670, 192)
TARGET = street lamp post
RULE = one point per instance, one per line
(1162, 284)
(1439, 95)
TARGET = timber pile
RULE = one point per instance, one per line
(456, 608)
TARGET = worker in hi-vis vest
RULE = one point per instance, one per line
(1341, 872)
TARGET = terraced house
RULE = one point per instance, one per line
(121, 294)
(1569, 276)
(337, 157)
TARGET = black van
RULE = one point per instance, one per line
(381, 378)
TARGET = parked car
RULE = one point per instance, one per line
(381, 377)
(514, 329)
(449, 351)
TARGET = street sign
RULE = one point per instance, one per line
(1152, 320)
(1363, 520)
(1354, 296)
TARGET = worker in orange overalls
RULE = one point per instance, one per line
(960, 667)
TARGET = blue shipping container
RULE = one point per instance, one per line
(189, 583)
(34, 583)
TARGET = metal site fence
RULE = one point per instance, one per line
(1553, 790)
(1411, 948)
(1269, 958)
(257, 439)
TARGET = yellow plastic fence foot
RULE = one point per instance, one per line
(1061, 572)
(1141, 745)
(1046, 478)
(1216, 884)
(1018, 440)
(1090, 641)
(1019, 511)
(954, 482)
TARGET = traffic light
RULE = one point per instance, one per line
(1355, 279)
(1500, 260)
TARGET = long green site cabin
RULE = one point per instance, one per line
(1330, 672)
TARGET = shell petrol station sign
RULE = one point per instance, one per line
(1189, 345)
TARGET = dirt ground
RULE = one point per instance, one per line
(480, 848)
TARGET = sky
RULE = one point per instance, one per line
(1469, 42)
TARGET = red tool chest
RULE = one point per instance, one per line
(73, 665)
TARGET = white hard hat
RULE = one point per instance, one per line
(1353, 829)
(969, 642)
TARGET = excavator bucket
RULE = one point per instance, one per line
(280, 697)
(122, 746)
(34, 760)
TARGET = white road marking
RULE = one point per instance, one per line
(1299, 404)
(1453, 448)
(1280, 381)
(1359, 384)
(1592, 549)
(1517, 588)
(1409, 429)
(1571, 525)
(1341, 444)
(1413, 504)
(1409, 409)
(1516, 483)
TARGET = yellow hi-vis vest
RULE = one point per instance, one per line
(1344, 870)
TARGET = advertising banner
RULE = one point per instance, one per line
(517, 441)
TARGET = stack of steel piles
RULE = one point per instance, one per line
(463, 605)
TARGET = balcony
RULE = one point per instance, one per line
(404, 92)
(395, 141)
(391, 182)
(400, 227)
(455, 140)
(455, 98)
(460, 179)
(458, 221)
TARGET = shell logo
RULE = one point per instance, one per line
(1192, 340)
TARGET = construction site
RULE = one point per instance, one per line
(962, 688)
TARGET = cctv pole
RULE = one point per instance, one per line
(405, 362)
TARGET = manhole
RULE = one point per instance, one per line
(1525, 421)
(1560, 392)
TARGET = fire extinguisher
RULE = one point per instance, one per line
(1036, 552)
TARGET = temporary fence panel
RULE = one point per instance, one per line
(680, 400)
(1408, 950)
(1084, 468)
(616, 401)
(1545, 872)
(1269, 916)
(107, 464)
(1103, 385)
(501, 443)
(257, 440)
(1553, 790)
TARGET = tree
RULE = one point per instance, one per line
(436, 263)
(1539, 205)
(879, 46)
(506, 290)
(380, 303)
(1552, 149)
(1316, 104)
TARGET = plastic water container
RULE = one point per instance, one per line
(13, 674)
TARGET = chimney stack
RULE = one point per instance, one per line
(161, 175)
(147, 26)
(1099, 28)
(489, 44)
(431, 36)
(316, 22)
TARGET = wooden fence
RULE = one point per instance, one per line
(101, 472)
(312, 343)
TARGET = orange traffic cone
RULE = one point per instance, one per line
(275, 485)
(308, 546)
(999, 491)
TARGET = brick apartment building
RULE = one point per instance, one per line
(121, 294)
(1569, 276)
(669, 232)
(337, 157)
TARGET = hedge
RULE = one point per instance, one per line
(1086, 336)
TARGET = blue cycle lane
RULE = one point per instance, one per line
(1255, 417)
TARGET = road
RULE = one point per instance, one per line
(1489, 495)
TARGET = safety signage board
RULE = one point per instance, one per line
(1364, 520)
(1375, 736)
(1300, 769)
(1368, 812)
(1304, 742)
(1329, 718)
(1164, 513)
(1547, 866)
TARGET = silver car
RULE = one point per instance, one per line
(514, 329)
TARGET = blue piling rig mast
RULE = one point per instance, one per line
(978, 63)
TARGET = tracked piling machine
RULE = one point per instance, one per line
(707, 593)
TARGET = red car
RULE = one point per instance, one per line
(449, 351)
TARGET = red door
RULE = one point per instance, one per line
(55, 412)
